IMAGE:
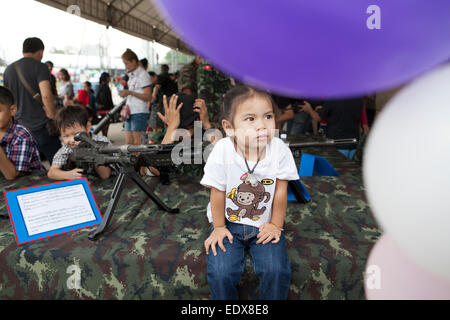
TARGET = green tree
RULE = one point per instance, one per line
(177, 59)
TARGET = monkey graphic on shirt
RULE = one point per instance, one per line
(247, 198)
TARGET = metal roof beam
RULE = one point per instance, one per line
(108, 14)
(129, 11)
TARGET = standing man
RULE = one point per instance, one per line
(187, 81)
(165, 85)
(26, 78)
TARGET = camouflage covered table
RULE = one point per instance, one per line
(150, 254)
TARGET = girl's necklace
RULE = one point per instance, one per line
(249, 177)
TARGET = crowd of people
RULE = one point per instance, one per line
(150, 112)
(48, 115)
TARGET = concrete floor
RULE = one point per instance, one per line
(116, 134)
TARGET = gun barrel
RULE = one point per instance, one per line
(329, 142)
(126, 149)
(108, 116)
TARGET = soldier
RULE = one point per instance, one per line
(212, 84)
(187, 80)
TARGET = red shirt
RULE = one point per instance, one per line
(364, 120)
(83, 96)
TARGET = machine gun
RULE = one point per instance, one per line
(125, 159)
(296, 147)
(295, 186)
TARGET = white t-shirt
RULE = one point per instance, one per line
(66, 88)
(246, 204)
(138, 80)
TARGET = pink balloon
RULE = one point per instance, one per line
(392, 275)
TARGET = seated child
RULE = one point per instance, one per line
(70, 120)
(18, 153)
(248, 173)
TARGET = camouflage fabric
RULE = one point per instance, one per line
(151, 254)
(212, 85)
(188, 78)
(157, 137)
(192, 170)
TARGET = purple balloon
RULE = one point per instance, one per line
(320, 48)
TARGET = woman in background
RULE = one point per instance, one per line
(104, 99)
(138, 95)
(65, 86)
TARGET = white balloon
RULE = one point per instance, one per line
(407, 170)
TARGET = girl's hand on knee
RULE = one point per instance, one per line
(267, 233)
(217, 237)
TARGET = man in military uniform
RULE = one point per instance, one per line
(212, 84)
(187, 80)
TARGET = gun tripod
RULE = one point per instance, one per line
(126, 172)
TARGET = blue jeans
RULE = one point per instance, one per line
(270, 263)
(137, 122)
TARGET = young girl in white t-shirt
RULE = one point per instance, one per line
(248, 173)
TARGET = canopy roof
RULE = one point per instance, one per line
(139, 18)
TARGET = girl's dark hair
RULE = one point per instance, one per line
(129, 55)
(237, 95)
(70, 116)
(65, 74)
(144, 63)
(104, 77)
(89, 85)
